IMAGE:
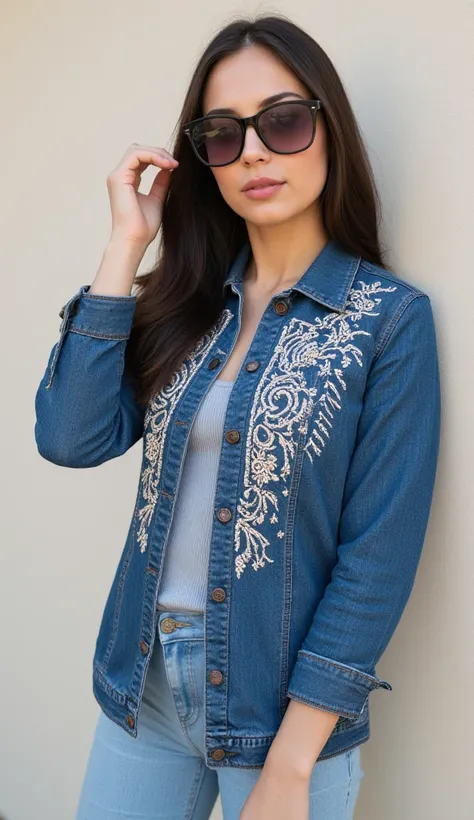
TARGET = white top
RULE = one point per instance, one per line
(183, 584)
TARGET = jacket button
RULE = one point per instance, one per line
(216, 677)
(218, 594)
(167, 625)
(214, 363)
(251, 366)
(130, 721)
(232, 436)
(224, 514)
(61, 313)
(144, 647)
(218, 754)
(281, 307)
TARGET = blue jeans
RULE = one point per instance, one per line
(162, 773)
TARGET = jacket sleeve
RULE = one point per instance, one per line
(384, 515)
(85, 408)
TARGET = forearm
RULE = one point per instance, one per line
(303, 732)
(118, 268)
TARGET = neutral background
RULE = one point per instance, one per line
(79, 83)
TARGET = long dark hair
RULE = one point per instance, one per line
(181, 297)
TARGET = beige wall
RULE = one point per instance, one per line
(80, 81)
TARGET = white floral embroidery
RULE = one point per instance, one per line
(284, 400)
(157, 418)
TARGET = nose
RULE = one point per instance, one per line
(254, 148)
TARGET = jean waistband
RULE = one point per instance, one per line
(176, 625)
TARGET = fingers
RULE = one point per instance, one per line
(138, 157)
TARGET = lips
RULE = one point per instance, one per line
(261, 182)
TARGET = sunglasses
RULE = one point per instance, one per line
(284, 127)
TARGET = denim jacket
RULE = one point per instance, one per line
(323, 494)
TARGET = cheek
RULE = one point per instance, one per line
(312, 171)
(306, 175)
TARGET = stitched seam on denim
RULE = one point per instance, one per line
(350, 670)
(110, 715)
(196, 788)
(113, 337)
(104, 298)
(290, 520)
(191, 719)
(326, 707)
(110, 691)
(185, 732)
(394, 322)
(118, 603)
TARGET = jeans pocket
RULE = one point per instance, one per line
(183, 662)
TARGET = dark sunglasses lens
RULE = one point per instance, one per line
(217, 140)
(287, 128)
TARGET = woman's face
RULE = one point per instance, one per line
(241, 82)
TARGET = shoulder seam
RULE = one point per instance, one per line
(395, 320)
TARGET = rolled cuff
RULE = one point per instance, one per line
(90, 314)
(331, 685)
(104, 317)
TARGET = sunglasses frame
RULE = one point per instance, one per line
(313, 105)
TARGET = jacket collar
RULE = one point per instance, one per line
(328, 279)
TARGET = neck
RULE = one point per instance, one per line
(280, 254)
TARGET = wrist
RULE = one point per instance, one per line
(284, 766)
(118, 268)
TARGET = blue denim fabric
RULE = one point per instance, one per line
(163, 772)
(322, 499)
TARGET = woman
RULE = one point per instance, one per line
(285, 384)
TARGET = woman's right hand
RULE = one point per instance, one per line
(136, 217)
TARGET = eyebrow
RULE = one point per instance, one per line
(262, 104)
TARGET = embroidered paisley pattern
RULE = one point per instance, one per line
(157, 418)
(284, 400)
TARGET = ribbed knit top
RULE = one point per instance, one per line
(183, 584)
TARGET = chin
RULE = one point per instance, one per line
(263, 212)
(268, 217)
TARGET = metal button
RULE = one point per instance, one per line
(130, 721)
(218, 754)
(218, 594)
(168, 625)
(61, 313)
(251, 366)
(214, 363)
(281, 307)
(224, 514)
(216, 677)
(232, 436)
(144, 647)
